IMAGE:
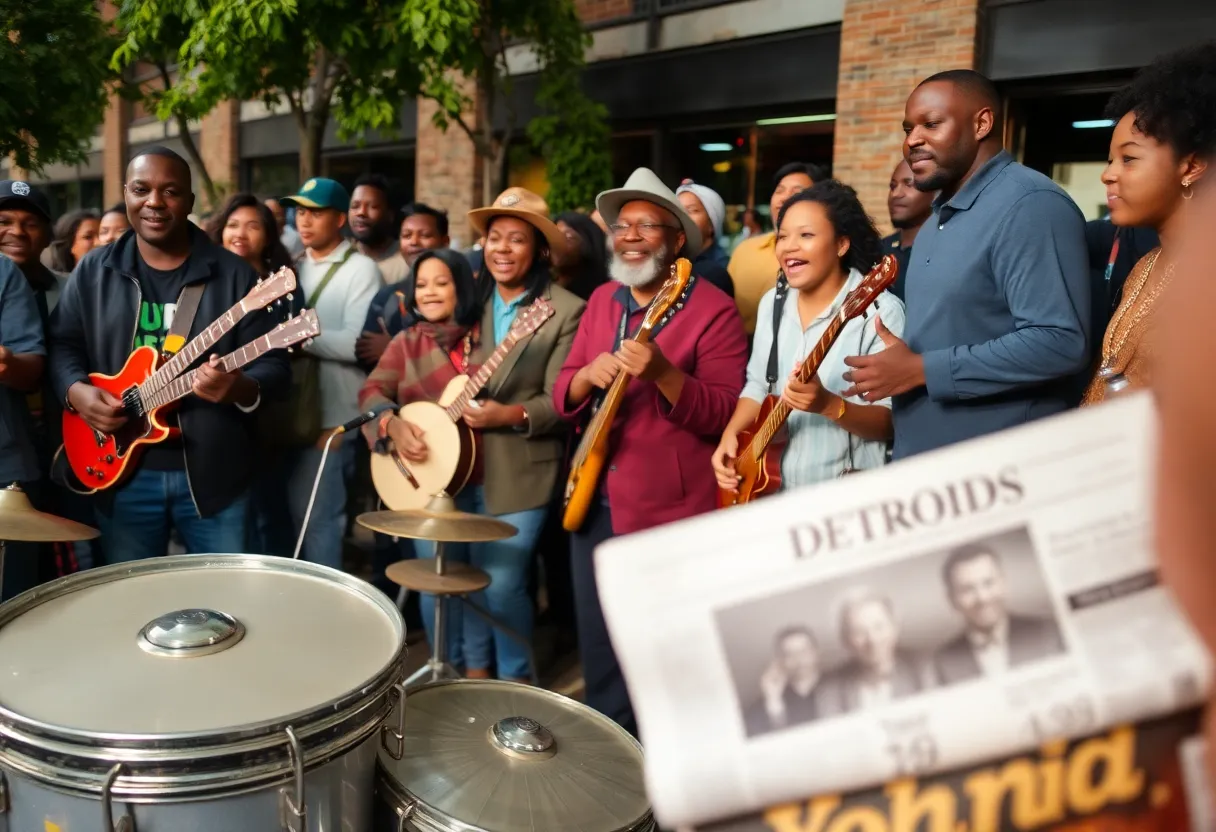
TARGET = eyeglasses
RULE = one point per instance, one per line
(646, 229)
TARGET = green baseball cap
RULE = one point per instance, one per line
(320, 193)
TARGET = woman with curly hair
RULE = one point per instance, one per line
(825, 244)
(1159, 154)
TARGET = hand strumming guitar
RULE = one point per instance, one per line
(724, 461)
(99, 409)
(407, 439)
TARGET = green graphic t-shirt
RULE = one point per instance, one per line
(159, 291)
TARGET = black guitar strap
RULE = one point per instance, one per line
(783, 289)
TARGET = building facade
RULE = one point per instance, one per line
(724, 92)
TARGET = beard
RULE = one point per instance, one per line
(373, 235)
(639, 275)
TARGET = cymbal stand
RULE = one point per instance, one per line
(437, 667)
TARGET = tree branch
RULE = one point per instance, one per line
(183, 129)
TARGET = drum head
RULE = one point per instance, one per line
(500, 757)
(192, 644)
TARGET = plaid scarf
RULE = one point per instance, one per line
(419, 363)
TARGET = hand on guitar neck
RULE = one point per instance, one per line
(213, 384)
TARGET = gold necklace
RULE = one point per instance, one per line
(1110, 353)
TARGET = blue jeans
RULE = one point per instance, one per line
(471, 642)
(137, 526)
(327, 526)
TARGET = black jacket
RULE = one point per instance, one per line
(93, 329)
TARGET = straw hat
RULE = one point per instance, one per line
(529, 207)
(645, 185)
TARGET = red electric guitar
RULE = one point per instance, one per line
(100, 460)
(763, 442)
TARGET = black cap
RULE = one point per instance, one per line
(15, 193)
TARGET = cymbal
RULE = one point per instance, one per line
(439, 521)
(420, 576)
(19, 520)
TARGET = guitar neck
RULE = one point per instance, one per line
(479, 379)
(181, 386)
(187, 354)
(806, 372)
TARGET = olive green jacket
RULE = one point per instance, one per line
(522, 466)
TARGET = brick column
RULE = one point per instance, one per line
(447, 171)
(219, 145)
(114, 148)
(886, 49)
(591, 11)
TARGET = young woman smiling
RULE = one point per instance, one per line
(1159, 154)
(825, 244)
(521, 437)
(246, 227)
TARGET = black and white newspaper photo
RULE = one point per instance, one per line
(941, 612)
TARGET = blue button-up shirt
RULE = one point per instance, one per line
(21, 332)
(504, 315)
(998, 303)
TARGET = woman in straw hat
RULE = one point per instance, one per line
(522, 439)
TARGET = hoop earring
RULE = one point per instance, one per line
(1187, 191)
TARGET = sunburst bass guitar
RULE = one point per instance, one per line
(763, 442)
(403, 484)
(592, 454)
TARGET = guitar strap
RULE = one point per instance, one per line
(183, 319)
(783, 289)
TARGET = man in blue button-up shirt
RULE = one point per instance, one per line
(998, 296)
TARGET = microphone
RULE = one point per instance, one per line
(357, 422)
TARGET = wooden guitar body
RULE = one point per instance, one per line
(451, 454)
(762, 475)
(101, 460)
(584, 478)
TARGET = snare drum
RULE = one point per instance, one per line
(485, 756)
(195, 693)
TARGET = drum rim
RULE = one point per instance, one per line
(370, 689)
(403, 798)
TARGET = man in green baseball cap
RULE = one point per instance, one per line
(339, 283)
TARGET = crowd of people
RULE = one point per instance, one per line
(1008, 307)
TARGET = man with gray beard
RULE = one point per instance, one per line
(687, 379)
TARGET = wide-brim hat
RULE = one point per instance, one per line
(527, 206)
(644, 184)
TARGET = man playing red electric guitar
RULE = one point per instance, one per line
(124, 296)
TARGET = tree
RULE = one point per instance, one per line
(54, 66)
(458, 42)
(161, 38)
(325, 58)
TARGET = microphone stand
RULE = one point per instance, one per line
(353, 424)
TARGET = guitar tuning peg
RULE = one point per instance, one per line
(290, 295)
(291, 349)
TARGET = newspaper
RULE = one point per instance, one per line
(957, 608)
(1143, 778)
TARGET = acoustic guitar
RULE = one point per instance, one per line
(763, 442)
(102, 460)
(451, 452)
(592, 453)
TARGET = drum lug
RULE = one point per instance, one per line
(293, 809)
(126, 823)
(396, 736)
(404, 816)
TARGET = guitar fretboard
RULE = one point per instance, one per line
(186, 356)
(182, 385)
(806, 372)
(473, 386)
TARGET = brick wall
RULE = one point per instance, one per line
(592, 11)
(447, 172)
(886, 48)
(219, 144)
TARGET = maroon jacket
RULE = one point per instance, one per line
(659, 462)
